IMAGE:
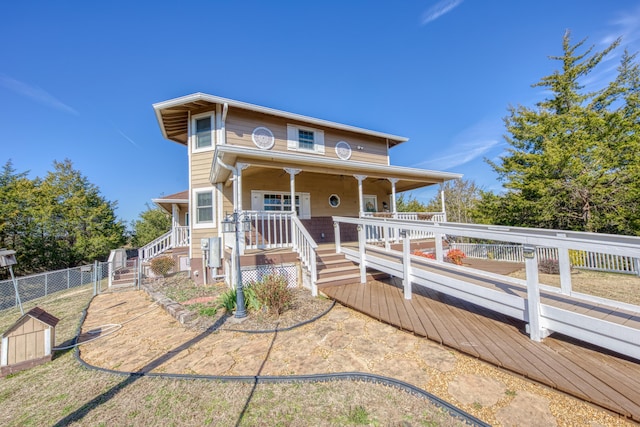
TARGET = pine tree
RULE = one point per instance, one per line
(572, 160)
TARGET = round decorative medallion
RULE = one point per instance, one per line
(263, 138)
(343, 150)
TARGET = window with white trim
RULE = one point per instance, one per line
(275, 201)
(203, 208)
(202, 130)
(306, 139)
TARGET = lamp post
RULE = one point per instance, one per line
(237, 223)
(7, 259)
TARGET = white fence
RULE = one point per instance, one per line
(579, 259)
(384, 234)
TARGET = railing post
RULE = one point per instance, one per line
(439, 249)
(564, 264)
(314, 273)
(386, 230)
(406, 264)
(361, 249)
(336, 232)
(533, 294)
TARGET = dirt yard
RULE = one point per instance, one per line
(150, 340)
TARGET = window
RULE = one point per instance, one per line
(279, 202)
(274, 201)
(203, 207)
(305, 139)
(202, 132)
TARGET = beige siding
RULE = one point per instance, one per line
(320, 187)
(201, 169)
(240, 126)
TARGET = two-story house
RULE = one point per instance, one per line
(286, 173)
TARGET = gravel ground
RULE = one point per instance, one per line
(341, 341)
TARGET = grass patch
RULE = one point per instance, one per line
(63, 391)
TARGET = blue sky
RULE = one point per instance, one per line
(78, 78)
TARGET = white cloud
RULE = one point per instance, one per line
(128, 139)
(35, 93)
(460, 154)
(468, 145)
(439, 9)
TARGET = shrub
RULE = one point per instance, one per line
(229, 299)
(162, 265)
(456, 256)
(273, 293)
(549, 266)
(429, 255)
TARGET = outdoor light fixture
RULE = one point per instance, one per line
(237, 223)
(7, 259)
(528, 251)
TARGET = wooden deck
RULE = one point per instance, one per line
(581, 370)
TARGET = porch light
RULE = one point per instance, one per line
(237, 223)
(8, 259)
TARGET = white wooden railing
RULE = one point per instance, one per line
(174, 238)
(385, 234)
(306, 247)
(542, 316)
(269, 230)
(272, 230)
(579, 259)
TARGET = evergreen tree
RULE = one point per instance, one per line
(573, 160)
(152, 223)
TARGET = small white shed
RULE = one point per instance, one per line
(29, 342)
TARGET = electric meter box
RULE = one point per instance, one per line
(215, 252)
(7, 258)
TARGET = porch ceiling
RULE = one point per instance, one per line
(408, 178)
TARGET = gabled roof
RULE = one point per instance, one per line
(165, 202)
(38, 314)
(173, 117)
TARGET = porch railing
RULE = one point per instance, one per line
(306, 247)
(272, 230)
(175, 238)
(269, 230)
(375, 233)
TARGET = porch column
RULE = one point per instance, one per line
(175, 222)
(360, 178)
(393, 182)
(292, 179)
(240, 167)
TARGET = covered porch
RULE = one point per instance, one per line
(263, 184)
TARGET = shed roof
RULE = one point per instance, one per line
(38, 314)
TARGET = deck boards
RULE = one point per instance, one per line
(576, 368)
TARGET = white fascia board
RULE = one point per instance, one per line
(170, 200)
(350, 166)
(271, 111)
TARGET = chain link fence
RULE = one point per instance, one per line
(43, 284)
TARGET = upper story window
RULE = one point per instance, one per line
(202, 132)
(305, 139)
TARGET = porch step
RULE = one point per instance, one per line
(349, 278)
(334, 270)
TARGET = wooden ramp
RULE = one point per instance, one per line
(581, 370)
